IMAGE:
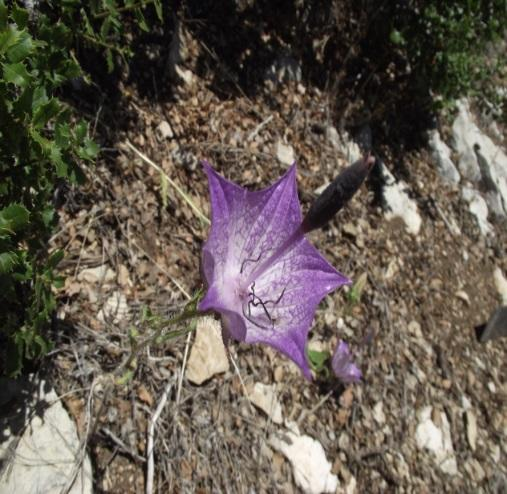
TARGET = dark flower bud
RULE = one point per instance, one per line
(337, 194)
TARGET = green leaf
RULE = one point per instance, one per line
(17, 74)
(89, 151)
(8, 38)
(14, 217)
(80, 130)
(21, 49)
(62, 135)
(141, 20)
(62, 168)
(46, 112)
(7, 262)
(20, 16)
(44, 143)
(3, 15)
(158, 9)
(396, 37)
(318, 359)
(55, 258)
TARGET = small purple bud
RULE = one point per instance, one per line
(343, 366)
(337, 194)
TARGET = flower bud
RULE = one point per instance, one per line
(337, 194)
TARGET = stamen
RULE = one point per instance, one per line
(256, 301)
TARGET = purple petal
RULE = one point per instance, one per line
(263, 276)
(343, 365)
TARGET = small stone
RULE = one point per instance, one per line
(311, 469)
(437, 439)
(208, 356)
(500, 285)
(462, 295)
(165, 131)
(278, 374)
(264, 398)
(414, 328)
(101, 274)
(471, 427)
(115, 310)
(284, 153)
(350, 229)
(378, 413)
(475, 470)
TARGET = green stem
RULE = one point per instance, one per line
(139, 347)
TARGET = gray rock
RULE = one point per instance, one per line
(398, 203)
(478, 207)
(481, 160)
(441, 155)
(39, 447)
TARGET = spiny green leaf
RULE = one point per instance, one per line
(8, 38)
(3, 15)
(7, 262)
(20, 16)
(55, 258)
(21, 49)
(158, 9)
(17, 74)
(14, 217)
(46, 112)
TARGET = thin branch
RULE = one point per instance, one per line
(178, 189)
(151, 433)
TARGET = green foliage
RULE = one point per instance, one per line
(40, 143)
(446, 43)
(106, 26)
(318, 361)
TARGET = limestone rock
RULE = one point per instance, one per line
(263, 396)
(208, 356)
(312, 470)
(48, 452)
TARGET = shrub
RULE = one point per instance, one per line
(40, 143)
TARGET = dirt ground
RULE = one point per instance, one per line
(413, 330)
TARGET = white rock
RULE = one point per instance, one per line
(378, 413)
(469, 167)
(343, 144)
(471, 423)
(399, 204)
(441, 154)
(178, 54)
(47, 452)
(263, 396)
(490, 159)
(500, 284)
(101, 274)
(208, 356)
(284, 153)
(350, 488)
(312, 470)
(437, 441)
(478, 207)
(115, 309)
(165, 131)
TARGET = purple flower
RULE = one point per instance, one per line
(264, 278)
(343, 366)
